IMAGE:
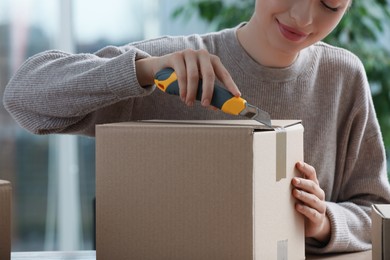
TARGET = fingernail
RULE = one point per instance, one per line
(297, 181)
(205, 102)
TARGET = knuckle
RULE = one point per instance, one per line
(208, 76)
(310, 170)
(312, 186)
(215, 59)
(322, 210)
(178, 55)
(314, 214)
(189, 52)
(203, 52)
(322, 195)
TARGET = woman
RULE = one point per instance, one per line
(278, 62)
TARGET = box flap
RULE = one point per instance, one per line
(238, 123)
(383, 210)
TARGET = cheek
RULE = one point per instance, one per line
(325, 27)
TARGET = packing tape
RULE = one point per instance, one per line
(281, 153)
(282, 248)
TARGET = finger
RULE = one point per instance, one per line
(208, 77)
(309, 186)
(224, 76)
(310, 213)
(310, 200)
(179, 66)
(191, 61)
(308, 171)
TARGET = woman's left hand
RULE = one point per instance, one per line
(311, 203)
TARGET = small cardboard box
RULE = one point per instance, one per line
(208, 190)
(5, 220)
(380, 217)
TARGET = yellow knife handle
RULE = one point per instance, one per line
(166, 80)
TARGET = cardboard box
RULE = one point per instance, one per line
(380, 217)
(5, 220)
(197, 190)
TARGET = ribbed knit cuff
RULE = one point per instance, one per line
(121, 75)
(339, 240)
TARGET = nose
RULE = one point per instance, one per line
(302, 12)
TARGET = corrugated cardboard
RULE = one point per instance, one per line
(197, 190)
(5, 220)
(380, 217)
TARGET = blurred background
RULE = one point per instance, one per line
(53, 177)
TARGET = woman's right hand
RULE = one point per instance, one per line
(190, 66)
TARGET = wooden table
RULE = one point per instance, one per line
(91, 255)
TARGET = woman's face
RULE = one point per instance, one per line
(291, 25)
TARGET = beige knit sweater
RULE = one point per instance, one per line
(326, 87)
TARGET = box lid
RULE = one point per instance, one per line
(383, 210)
(277, 124)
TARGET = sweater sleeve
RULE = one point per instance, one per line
(350, 215)
(39, 94)
(360, 179)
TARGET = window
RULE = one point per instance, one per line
(53, 177)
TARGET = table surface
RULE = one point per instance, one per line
(91, 255)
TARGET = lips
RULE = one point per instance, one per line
(290, 33)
